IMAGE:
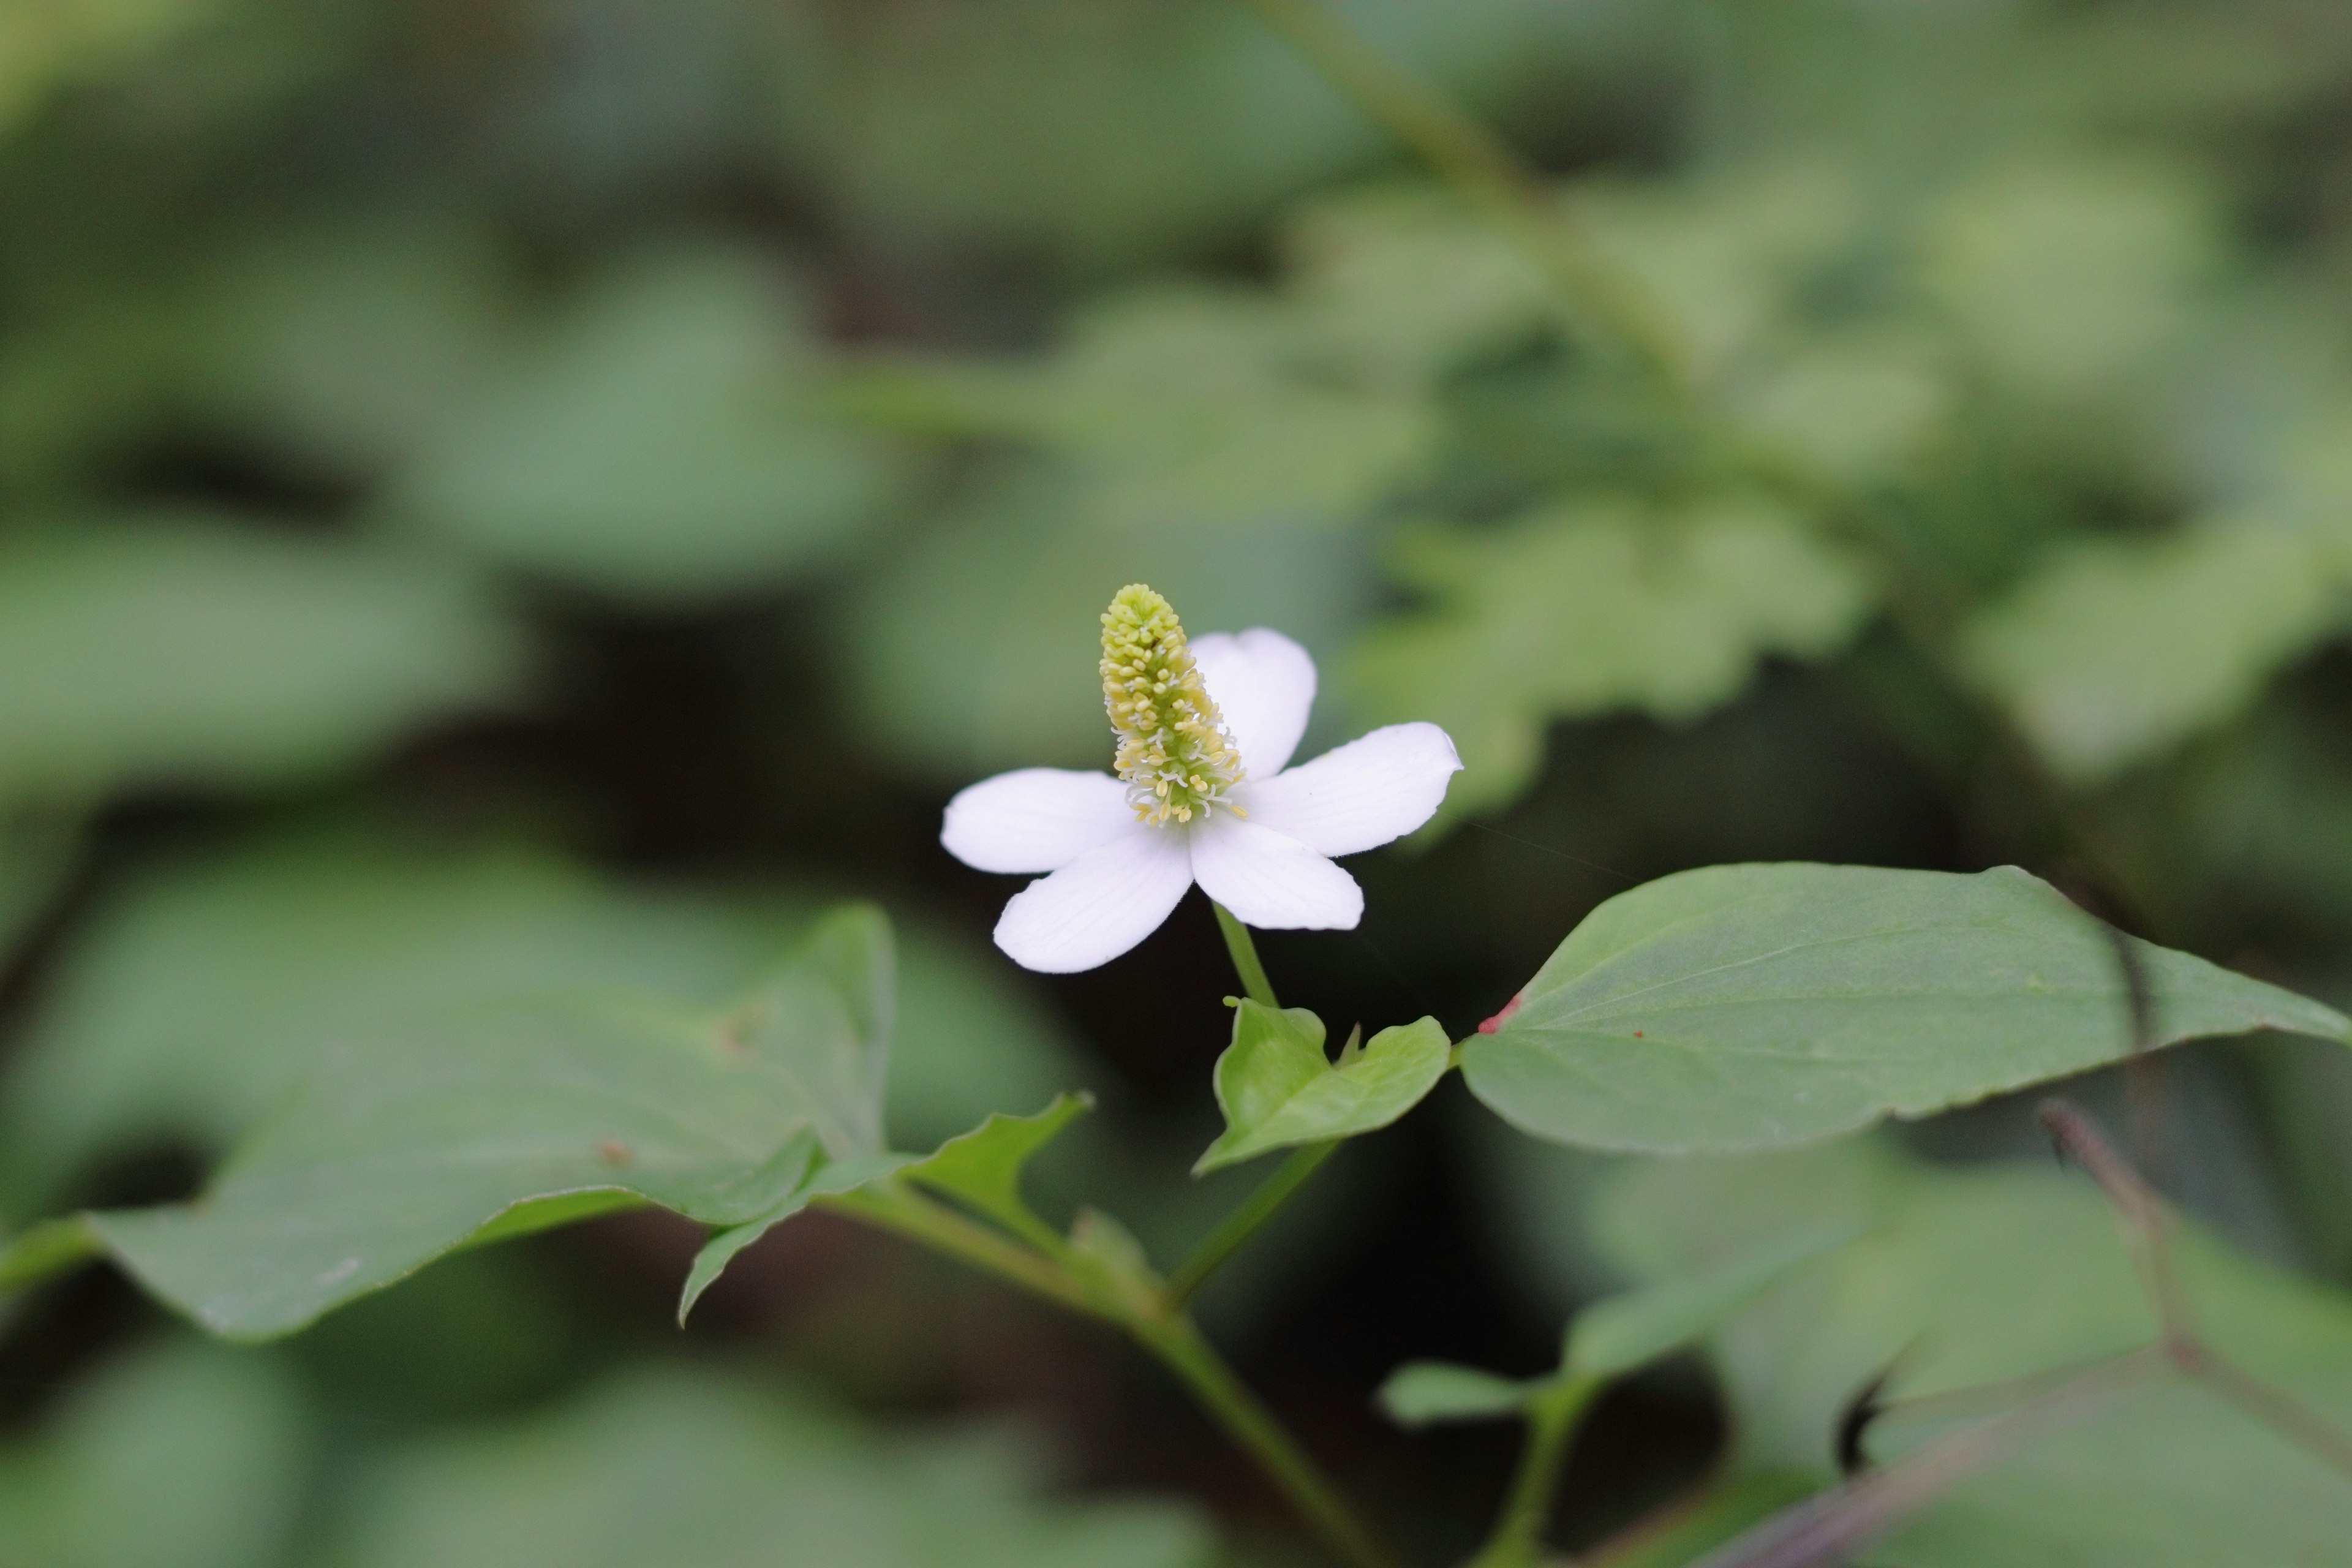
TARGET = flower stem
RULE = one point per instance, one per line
(1517, 1538)
(1245, 959)
(1243, 1223)
(1176, 1340)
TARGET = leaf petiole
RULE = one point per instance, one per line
(1246, 964)
(1243, 1222)
(1553, 1417)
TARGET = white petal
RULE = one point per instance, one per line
(1271, 881)
(1100, 904)
(1038, 819)
(1264, 684)
(1360, 795)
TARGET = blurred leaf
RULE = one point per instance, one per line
(35, 857)
(667, 442)
(1102, 133)
(56, 43)
(179, 1455)
(1592, 606)
(1969, 1279)
(1862, 406)
(973, 648)
(203, 993)
(354, 343)
(1183, 406)
(1278, 1090)
(1618, 1334)
(691, 1471)
(1425, 1392)
(500, 1120)
(1410, 283)
(2114, 652)
(190, 653)
(2074, 276)
(1722, 259)
(1744, 1006)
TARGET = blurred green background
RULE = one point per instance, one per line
(512, 493)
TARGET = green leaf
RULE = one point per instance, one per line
(1619, 1333)
(699, 1470)
(388, 1159)
(1592, 606)
(1190, 407)
(178, 1454)
(69, 42)
(1425, 1392)
(667, 443)
(982, 1167)
(1971, 1278)
(1744, 1006)
(193, 653)
(2116, 651)
(199, 996)
(1410, 283)
(1277, 1088)
(2071, 276)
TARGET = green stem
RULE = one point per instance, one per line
(1168, 1332)
(1177, 1341)
(1486, 171)
(894, 1206)
(1243, 1223)
(1517, 1538)
(1245, 959)
(50, 1248)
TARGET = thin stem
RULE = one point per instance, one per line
(1169, 1334)
(1177, 1341)
(1552, 1420)
(894, 1206)
(1238, 942)
(1243, 1222)
(50, 1248)
(1485, 170)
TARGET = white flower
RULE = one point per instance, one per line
(1205, 730)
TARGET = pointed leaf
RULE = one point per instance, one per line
(982, 1167)
(511, 1117)
(1277, 1088)
(1748, 1006)
(1424, 1393)
(837, 1176)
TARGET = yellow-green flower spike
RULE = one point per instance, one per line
(1172, 750)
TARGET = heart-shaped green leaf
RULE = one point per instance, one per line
(1277, 1088)
(512, 1118)
(1750, 1006)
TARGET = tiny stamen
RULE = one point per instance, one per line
(1173, 751)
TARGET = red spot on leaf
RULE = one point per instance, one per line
(1499, 1019)
(614, 1151)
